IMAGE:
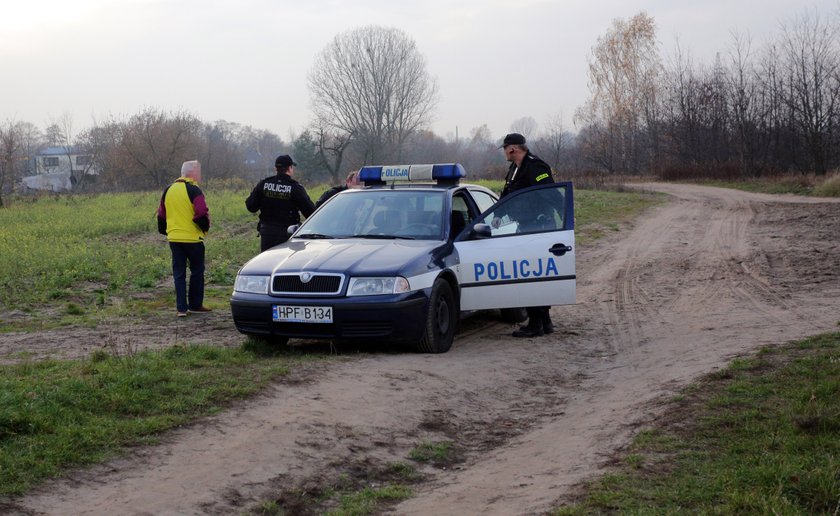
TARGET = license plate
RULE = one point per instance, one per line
(302, 314)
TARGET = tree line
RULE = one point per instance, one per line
(753, 112)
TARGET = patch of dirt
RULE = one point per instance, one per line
(121, 336)
(712, 275)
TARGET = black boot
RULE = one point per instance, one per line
(529, 331)
(547, 325)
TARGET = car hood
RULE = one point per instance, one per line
(355, 256)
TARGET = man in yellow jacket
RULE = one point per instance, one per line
(184, 218)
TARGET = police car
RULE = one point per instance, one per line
(402, 258)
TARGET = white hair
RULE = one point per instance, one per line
(191, 169)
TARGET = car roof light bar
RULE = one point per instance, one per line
(442, 173)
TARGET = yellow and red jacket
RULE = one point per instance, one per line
(183, 215)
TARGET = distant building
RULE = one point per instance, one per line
(58, 168)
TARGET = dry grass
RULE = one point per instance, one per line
(830, 186)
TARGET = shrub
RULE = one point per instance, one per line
(830, 187)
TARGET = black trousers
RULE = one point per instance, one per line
(271, 235)
(538, 315)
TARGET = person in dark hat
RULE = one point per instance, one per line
(527, 170)
(280, 200)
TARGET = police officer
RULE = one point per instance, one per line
(351, 181)
(280, 201)
(527, 170)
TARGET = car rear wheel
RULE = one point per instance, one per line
(441, 320)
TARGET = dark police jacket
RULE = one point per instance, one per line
(329, 193)
(533, 171)
(279, 198)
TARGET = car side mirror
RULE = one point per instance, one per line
(481, 231)
(291, 229)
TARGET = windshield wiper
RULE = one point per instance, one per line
(314, 235)
(384, 237)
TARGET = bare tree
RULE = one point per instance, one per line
(371, 84)
(552, 142)
(149, 148)
(526, 126)
(55, 135)
(811, 61)
(693, 112)
(624, 75)
(331, 146)
(224, 152)
(742, 94)
(776, 146)
(481, 155)
(10, 146)
(427, 147)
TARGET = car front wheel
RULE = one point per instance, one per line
(441, 320)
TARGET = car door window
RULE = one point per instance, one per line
(483, 199)
(533, 210)
(462, 214)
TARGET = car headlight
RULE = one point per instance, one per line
(374, 286)
(251, 284)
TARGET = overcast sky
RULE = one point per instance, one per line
(247, 61)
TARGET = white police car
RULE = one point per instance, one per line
(401, 258)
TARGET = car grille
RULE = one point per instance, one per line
(366, 329)
(318, 284)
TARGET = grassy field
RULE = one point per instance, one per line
(77, 260)
(760, 437)
(801, 184)
(57, 414)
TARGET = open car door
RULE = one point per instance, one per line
(520, 252)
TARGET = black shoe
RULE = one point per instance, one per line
(528, 331)
(547, 328)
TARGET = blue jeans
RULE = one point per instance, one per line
(183, 252)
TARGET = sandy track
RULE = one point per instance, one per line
(711, 275)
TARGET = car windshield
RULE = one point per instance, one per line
(380, 213)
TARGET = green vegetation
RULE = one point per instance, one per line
(79, 259)
(760, 437)
(829, 188)
(363, 489)
(59, 414)
(368, 499)
(599, 213)
(802, 184)
(434, 452)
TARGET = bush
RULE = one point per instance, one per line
(830, 187)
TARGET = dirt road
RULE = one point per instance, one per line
(711, 275)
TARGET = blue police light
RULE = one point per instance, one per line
(442, 173)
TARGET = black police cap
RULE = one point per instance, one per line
(284, 160)
(513, 139)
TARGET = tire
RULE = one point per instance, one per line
(441, 320)
(514, 315)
